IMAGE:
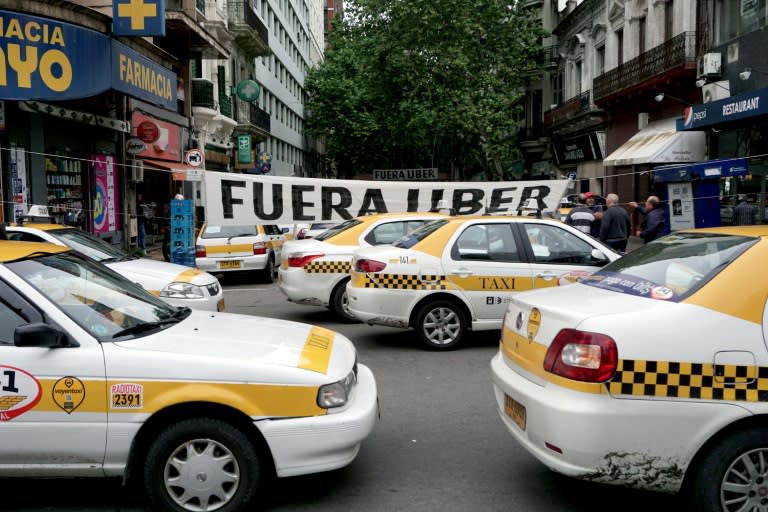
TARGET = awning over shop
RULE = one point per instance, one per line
(711, 169)
(179, 171)
(659, 142)
(741, 106)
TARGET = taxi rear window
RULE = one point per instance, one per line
(339, 228)
(229, 231)
(673, 267)
(419, 234)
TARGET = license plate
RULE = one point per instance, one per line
(220, 305)
(229, 264)
(515, 410)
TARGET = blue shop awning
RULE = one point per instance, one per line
(740, 106)
(711, 169)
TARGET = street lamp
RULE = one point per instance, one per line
(747, 73)
(660, 97)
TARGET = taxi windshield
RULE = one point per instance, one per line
(93, 247)
(339, 228)
(101, 301)
(672, 267)
(417, 235)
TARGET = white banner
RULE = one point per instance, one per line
(257, 199)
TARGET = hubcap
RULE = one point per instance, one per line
(442, 326)
(201, 475)
(745, 483)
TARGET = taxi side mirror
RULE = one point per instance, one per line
(41, 335)
(599, 257)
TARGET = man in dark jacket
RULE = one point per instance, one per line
(615, 227)
(652, 226)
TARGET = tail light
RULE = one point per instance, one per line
(200, 251)
(259, 248)
(581, 355)
(301, 260)
(367, 266)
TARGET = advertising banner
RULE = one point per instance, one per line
(253, 199)
(46, 59)
(163, 139)
(18, 164)
(105, 211)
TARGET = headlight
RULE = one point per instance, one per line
(182, 291)
(337, 393)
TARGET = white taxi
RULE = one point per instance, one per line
(100, 378)
(460, 273)
(315, 271)
(235, 248)
(651, 373)
(176, 284)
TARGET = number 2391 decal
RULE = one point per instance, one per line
(126, 396)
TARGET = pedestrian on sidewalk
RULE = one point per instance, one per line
(141, 222)
(597, 211)
(581, 216)
(615, 226)
(653, 223)
(743, 213)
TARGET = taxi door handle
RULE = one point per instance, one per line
(462, 272)
(546, 275)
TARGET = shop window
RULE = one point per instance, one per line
(63, 176)
(735, 19)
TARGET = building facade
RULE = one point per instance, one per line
(632, 86)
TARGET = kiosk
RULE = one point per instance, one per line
(691, 193)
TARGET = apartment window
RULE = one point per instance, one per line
(668, 20)
(577, 78)
(599, 60)
(620, 46)
(735, 19)
(641, 35)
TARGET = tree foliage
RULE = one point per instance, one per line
(423, 83)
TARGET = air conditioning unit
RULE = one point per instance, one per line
(136, 171)
(715, 91)
(709, 65)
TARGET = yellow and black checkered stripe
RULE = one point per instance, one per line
(327, 267)
(406, 282)
(666, 379)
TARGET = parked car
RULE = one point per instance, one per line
(102, 379)
(650, 373)
(459, 273)
(176, 284)
(239, 248)
(315, 271)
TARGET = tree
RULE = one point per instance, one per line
(410, 83)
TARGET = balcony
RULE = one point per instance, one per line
(548, 57)
(247, 29)
(571, 109)
(679, 53)
(186, 35)
(202, 93)
(252, 120)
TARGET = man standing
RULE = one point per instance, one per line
(652, 226)
(141, 222)
(581, 217)
(597, 210)
(615, 227)
(743, 213)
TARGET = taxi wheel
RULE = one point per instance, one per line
(734, 474)
(440, 325)
(202, 464)
(340, 301)
(270, 272)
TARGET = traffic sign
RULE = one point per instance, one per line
(194, 157)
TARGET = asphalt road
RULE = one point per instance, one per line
(439, 444)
